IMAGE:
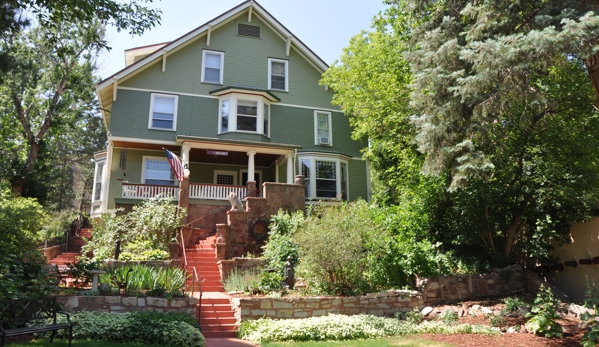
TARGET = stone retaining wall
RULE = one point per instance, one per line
(380, 304)
(53, 252)
(447, 289)
(127, 304)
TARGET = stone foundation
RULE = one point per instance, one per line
(207, 216)
(119, 304)
(384, 304)
(447, 289)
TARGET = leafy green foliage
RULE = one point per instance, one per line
(340, 327)
(146, 231)
(280, 244)
(591, 302)
(415, 316)
(543, 314)
(80, 270)
(513, 303)
(449, 317)
(21, 264)
(170, 329)
(269, 282)
(158, 281)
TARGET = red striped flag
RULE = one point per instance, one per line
(175, 164)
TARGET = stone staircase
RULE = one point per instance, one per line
(73, 251)
(215, 315)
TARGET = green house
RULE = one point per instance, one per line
(238, 100)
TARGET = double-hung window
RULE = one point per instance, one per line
(163, 112)
(157, 171)
(322, 128)
(326, 178)
(278, 74)
(244, 113)
(212, 67)
(98, 181)
(247, 115)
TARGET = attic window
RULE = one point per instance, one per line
(248, 30)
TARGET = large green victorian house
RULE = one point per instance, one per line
(238, 100)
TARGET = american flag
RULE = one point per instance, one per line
(175, 164)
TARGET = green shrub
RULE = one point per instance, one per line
(592, 319)
(340, 327)
(543, 316)
(269, 281)
(144, 233)
(449, 317)
(21, 264)
(57, 224)
(241, 280)
(170, 329)
(415, 316)
(80, 270)
(512, 304)
(280, 245)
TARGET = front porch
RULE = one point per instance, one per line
(204, 191)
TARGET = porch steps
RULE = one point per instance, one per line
(215, 314)
(73, 251)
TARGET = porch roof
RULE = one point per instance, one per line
(245, 143)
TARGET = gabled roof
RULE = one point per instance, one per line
(190, 36)
(105, 88)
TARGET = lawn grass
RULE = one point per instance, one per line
(77, 343)
(388, 342)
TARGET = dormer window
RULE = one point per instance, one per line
(244, 109)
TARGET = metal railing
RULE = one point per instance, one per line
(215, 191)
(146, 191)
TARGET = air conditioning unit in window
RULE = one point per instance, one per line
(323, 140)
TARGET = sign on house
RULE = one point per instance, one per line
(212, 152)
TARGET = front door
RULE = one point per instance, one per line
(244, 180)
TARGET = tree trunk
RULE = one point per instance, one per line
(511, 235)
(17, 186)
(592, 64)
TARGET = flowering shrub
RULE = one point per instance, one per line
(340, 327)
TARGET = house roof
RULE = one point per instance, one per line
(105, 88)
(245, 90)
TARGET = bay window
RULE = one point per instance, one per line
(244, 113)
(326, 177)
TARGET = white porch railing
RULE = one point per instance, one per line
(146, 191)
(215, 191)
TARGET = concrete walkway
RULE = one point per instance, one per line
(227, 342)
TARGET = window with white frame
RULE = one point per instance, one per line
(225, 177)
(322, 128)
(326, 178)
(157, 171)
(278, 74)
(98, 177)
(244, 114)
(212, 67)
(163, 112)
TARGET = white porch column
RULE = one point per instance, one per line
(289, 168)
(251, 171)
(185, 155)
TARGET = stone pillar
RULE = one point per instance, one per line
(222, 238)
(289, 168)
(252, 191)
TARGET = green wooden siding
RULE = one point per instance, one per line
(245, 63)
(358, 185)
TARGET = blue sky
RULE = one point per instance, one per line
(324, 25)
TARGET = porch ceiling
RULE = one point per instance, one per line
(260, 159)
(137, 145)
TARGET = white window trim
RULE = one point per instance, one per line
(286, 62)
(103, 161)
(143, 168)
(329, 115)
(259, 172)
(222, 64)
(312, 178)
(176, 97)
(233, 98)
(225, 172)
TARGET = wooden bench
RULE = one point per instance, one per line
(15, 314)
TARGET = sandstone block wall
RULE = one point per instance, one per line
(384, 304)
(121, 304)
(446, 289)
(53, 252)
(243, 264)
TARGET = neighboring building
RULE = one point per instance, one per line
(238, 100)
